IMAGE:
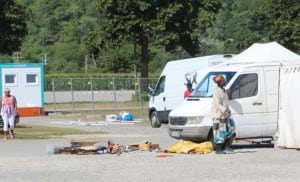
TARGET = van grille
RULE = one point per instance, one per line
(177, 120)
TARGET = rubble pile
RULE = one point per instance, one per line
(105, 146)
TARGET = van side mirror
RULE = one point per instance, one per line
(151, 91)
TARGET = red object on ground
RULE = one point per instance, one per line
(164, 155)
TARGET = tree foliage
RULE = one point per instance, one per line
(169, 23)
(110, 36)
(234, 27)
(13, 19)
(57, 30)
(280, 21)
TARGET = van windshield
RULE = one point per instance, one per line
(207, 86)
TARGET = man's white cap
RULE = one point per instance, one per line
(7, 90)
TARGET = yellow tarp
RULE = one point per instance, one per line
(186, 147)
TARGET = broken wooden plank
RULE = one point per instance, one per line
(86, 141)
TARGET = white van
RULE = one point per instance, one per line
(253, 93)
(170, 87)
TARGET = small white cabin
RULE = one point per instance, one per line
(26, 82)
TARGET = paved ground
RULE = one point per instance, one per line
(88, 96)
(27, 160)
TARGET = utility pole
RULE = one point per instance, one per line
(45, 59)
(17, 56)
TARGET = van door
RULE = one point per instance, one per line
(247, 103)
(158, 99)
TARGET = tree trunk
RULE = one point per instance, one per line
(145, 56)
(144, 61)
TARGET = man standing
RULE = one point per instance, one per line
(8, 113)
(188, 90)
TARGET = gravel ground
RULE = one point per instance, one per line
(27, 160)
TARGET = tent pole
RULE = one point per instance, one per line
(279, 93)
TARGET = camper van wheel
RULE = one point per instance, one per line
(155, 123)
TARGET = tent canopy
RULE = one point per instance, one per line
(266, 52)
(288, 117)
(289, 122)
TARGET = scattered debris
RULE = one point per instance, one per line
(112, 118)
(126, 116)
(84, 146)
(121, 117)
(144, 145)
(164, 155)
(96, 123)
(89, 146)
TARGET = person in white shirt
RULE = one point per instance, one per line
(8, 113)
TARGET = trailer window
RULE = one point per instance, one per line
(246, 85)
(10, 79)
(31, 79)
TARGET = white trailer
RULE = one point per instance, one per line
(26, 82)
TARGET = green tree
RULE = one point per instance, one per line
(118, 60)
(13, 17)
(146, 23)
(280, 21)
(56, 29)
(234, 27)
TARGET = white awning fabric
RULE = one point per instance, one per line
(266, 52)
(289, 117)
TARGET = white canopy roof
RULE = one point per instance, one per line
(264, 52)
(288, 122)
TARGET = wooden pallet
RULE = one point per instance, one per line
(143, 145)
(82, 146)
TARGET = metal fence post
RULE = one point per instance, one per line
(140, 98)
(92, 94)
(53, 92)
(115, 95)
(72, 93)
(75, 101)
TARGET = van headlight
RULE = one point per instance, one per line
(194, 120)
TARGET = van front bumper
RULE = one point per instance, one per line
(190, 133)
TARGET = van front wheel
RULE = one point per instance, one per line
(155, 123)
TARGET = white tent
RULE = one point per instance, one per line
(264, 52)
(289, 120)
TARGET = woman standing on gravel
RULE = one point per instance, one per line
(8, 113)
(221, 113)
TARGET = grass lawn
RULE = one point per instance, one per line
(45, 132)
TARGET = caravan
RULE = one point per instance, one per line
(171, 84)
(253, 88)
